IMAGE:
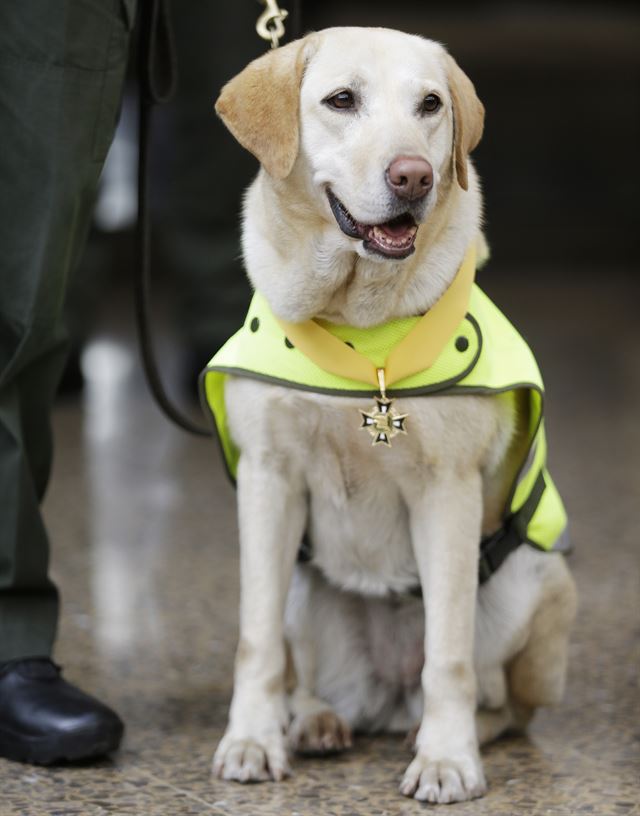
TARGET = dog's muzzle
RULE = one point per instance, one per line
(392, 239)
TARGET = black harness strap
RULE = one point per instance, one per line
(495, 548)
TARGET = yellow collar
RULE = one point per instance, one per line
(417, 351)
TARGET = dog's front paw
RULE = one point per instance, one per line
(251, 760)
(444, 780)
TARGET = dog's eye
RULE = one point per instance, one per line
(343, 100)
(430, 104)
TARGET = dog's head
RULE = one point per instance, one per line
(374, 123)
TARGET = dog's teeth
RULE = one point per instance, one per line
(384, 238)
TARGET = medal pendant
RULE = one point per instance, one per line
(383, 422)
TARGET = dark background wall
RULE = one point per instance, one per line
(560, 83)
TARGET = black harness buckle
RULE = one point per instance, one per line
(495, 549)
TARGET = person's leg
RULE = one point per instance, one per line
(61, 72)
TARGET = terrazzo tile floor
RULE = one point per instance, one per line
(143, 524)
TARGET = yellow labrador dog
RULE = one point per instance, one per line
(363, 209)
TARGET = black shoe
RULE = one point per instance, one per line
(44, 719)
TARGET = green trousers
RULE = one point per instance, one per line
(62, 67)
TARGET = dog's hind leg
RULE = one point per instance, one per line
(315, 727)
(491, 724)
(536, 675)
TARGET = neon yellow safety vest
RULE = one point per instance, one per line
(485, 355)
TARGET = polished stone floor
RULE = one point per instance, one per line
(145, 553)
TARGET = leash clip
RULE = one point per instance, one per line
(270, 24)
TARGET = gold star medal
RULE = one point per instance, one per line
(383, 422)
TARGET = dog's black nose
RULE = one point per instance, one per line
(410, 177)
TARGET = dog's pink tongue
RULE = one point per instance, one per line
(397, 230)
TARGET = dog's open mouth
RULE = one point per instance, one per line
(392, 239)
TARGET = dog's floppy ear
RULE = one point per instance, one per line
(260, 107)
(468, 118)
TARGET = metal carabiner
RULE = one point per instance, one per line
(270, 24)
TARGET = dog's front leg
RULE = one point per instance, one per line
(272, 513)
(445, 528)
